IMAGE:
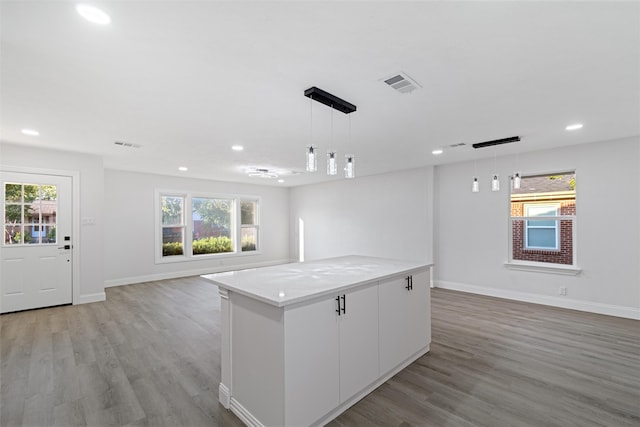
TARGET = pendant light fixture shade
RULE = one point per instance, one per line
(312, 158)
(349, 166)
(475, 186)
(516, 181)
(495, 183)
(332, 163)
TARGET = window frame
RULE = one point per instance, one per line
(187, 252)
(540, 266)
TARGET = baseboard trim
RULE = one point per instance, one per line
(224, 395)
(572, 304)
(246, 416)
(89, 298)
(191, 272)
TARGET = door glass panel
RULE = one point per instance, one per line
(31, 214)
(48, 212)
(31, 192)
(12, 234)
(13, 192)
(12, 214)
(49, 192)
(32, 234)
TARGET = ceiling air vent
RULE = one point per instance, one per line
(402, 83)
(127, 144)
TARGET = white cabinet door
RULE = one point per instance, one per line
(358, 341)
(394, 318)
(405, 317)
(419, 326)
(311, 360)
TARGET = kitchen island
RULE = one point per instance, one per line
(302, 342)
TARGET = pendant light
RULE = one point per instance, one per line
(349, 166)
(495, 183)
(332, 163)
(312, 158)
(475, 185)
(332, 160)
(349, 160)
(516, 181)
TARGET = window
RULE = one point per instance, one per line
(212, 221)
(218, 225)
(173, 228)
(543, 220)
(249, 224)
(30, 212)
(541, 233)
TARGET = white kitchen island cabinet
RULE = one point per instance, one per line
(302, 342)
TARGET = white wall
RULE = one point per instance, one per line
(130, 231)
(388, 215)
(90, 241)
(472, 229)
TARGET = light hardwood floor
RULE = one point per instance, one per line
(150, 356)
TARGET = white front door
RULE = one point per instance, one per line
(35, 260)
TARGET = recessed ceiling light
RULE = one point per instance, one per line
(31, 132)
(281, 181)
(437, 151)
(93, 14)
(574, 126)
(183, 168)
(237, 148)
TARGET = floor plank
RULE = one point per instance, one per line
(150, 356)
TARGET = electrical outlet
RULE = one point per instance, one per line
(563, 290)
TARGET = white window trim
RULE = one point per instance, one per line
(188, 224)
(554, 218)
(544, 267)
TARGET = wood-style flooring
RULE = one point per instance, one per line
(150, 356)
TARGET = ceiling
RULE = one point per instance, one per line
(187, 80)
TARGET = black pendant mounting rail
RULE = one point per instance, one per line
(329, 100)
(496, 142)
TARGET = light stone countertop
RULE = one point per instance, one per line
(286, 284)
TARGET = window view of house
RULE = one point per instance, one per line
(30, 212)
(543, 213)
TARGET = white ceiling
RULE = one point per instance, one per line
(187, 80)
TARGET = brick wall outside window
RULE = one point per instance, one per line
(562, 256)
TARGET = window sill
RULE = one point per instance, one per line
(203, 257)
(567, 270)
